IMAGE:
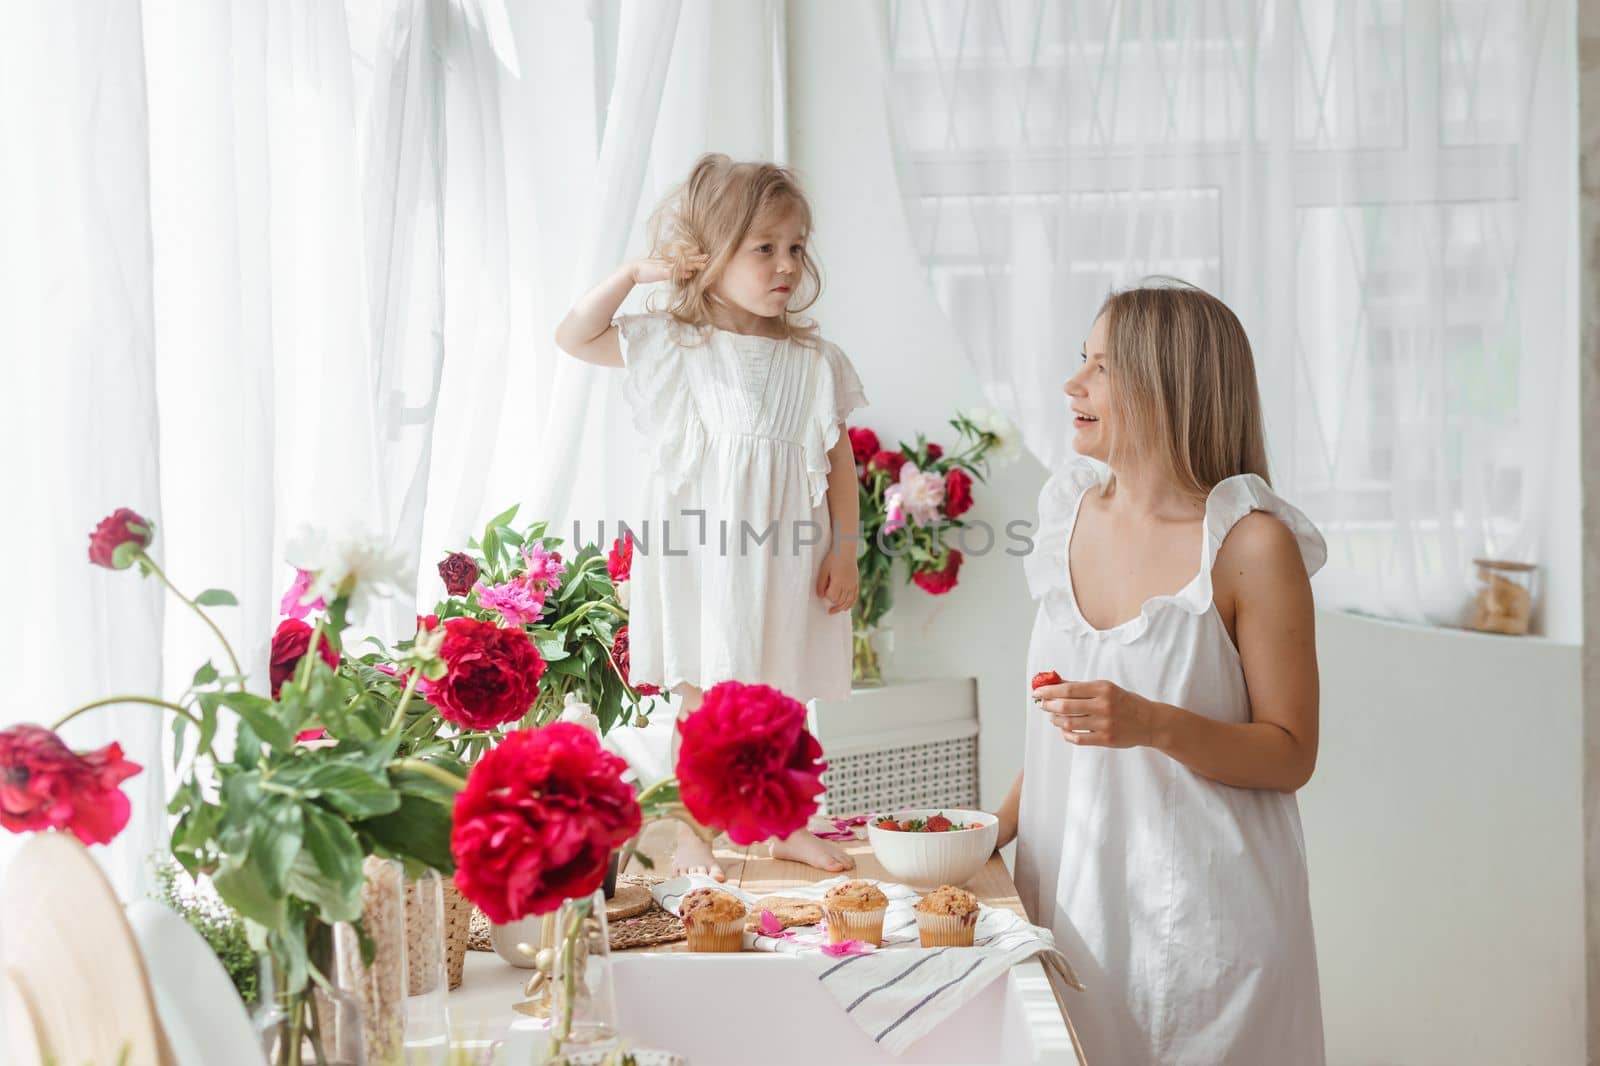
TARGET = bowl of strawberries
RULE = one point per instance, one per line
(929, 847)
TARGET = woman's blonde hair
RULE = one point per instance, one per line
(1183, 384)
(710, 214)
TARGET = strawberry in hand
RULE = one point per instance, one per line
(1043, 678)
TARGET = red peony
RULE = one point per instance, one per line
(942, 580)
(289, 645)
(427, 623)
(538, 820)
(46, 785)
(889, 462)
(864, 443)
(957, 492)
(747, 764)
(620, 653)
(492, 674)
(458, 571)
(934, 452)
(120, 527)
(619, 562)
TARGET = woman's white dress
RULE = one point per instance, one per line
(1181, 902)
(723, 585)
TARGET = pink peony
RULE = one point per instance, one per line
(919, 493)
(519, 600)
(292, 605)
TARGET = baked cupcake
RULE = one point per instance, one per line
(713, 920)
(947, 917)
(855, 911)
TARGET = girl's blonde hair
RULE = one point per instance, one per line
(1183, 384)
(710, 214)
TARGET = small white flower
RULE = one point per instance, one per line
(354, 563)
(622, 594)
(577, 712)
(1008, 445)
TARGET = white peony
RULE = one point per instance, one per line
(354, 563)
(579, 713)
(1008, 443)
(622, 595)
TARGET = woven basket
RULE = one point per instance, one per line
(457, 930)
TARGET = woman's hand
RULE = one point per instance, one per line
(648, 271)
(838, 581)
(1099, 714)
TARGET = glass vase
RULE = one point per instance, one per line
(869, 646)
(300, 1027)
(427, 1021)
(583, 1008)
(377, 985)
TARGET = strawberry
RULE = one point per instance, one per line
(891, 825)
(939, 824)
(1045, 677)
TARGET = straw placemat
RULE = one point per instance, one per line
(632, 917)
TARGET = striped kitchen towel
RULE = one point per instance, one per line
(902, 990)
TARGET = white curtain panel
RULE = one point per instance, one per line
(80, 370)
(1382, 191)
(270, 264)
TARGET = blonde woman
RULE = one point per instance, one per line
(1155, 818)
(752, 491)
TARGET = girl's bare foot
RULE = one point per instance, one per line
(805, 846)
(693, 856)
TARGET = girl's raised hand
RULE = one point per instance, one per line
(1098, 713)
(648, 271)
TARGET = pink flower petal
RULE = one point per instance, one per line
(770, 924)
(836, 834)
(846, 823)
(848, 947)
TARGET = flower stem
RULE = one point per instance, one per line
(584, 609)
(109, 700)
(427, 769)
(196, 608)
(405, 698)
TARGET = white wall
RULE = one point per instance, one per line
(1443, 826)
(1444, 837)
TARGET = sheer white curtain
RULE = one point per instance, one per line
(288, 262)
(1380, 190)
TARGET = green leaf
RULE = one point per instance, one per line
(348, 788)
(504, 518)
(425, 786)
(279, 828)
(241, 886)
(179, 725)
(330, 897)
(419, 830)
(216, 598)
(205, 675)
(288, 948)
(259, 714)
(336, 851)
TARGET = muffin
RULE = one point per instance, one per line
(788, 911)
(947, 917)
(855, 911)
(713, 920)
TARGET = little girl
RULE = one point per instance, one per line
(1156, 824)
(750, 570)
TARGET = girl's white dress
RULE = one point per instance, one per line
(1181, 903)
(725, 564)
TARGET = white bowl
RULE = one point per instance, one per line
(927, 860)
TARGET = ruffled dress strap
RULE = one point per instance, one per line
(1233, 498)
(1045, 566)
(656, 387)
(840, 392)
